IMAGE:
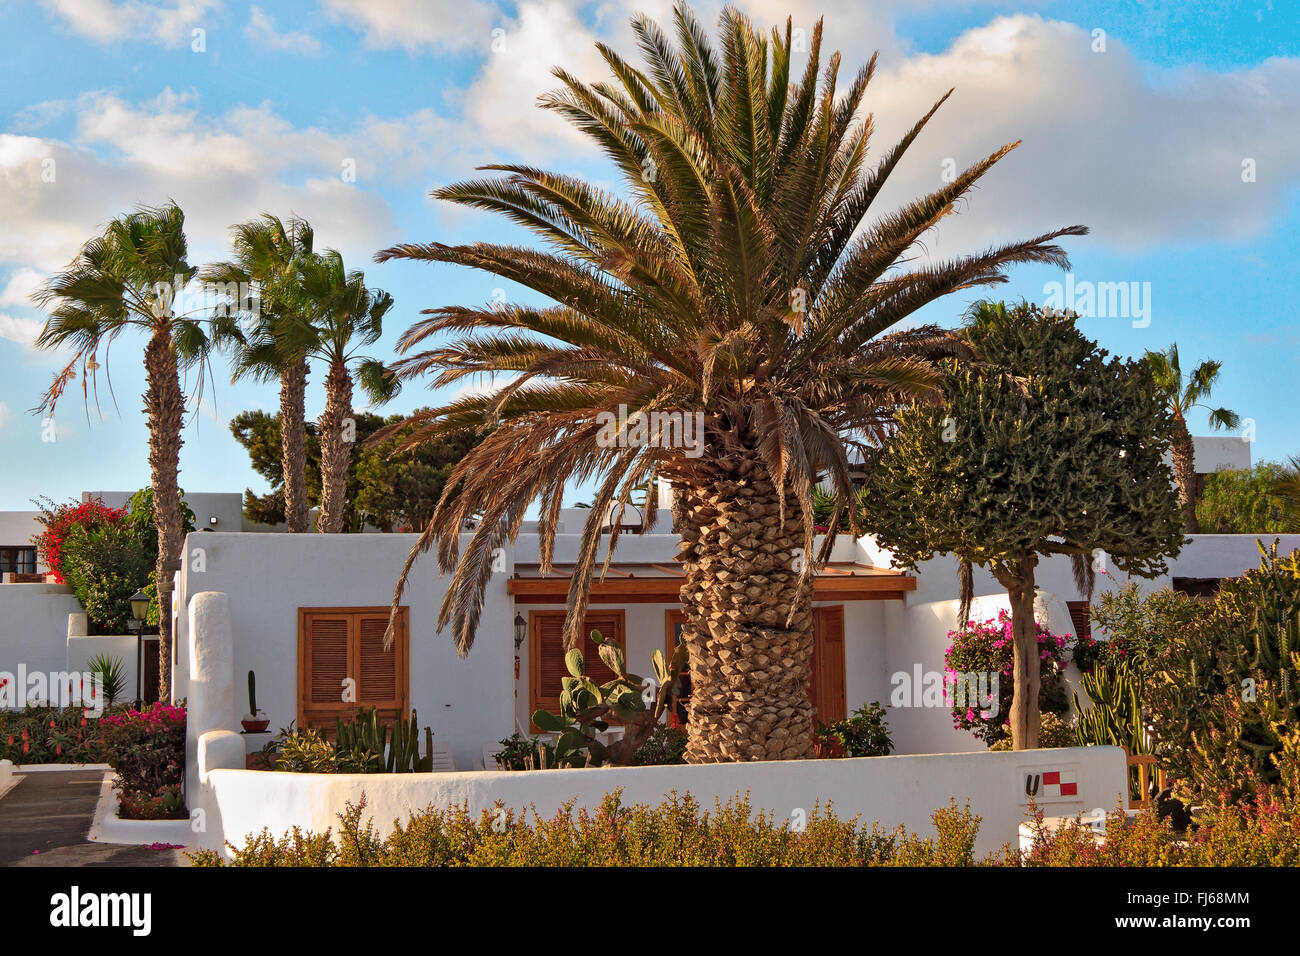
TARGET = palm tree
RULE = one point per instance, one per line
(337, 315)
(1182, 395)
(743, 282)
(128, 278)
(268, 252)
(1286, 487)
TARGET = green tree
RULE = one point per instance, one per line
(1246, 501)
(269, 253)
(1051, 449)
(1287, 489)
(127, 279)
(387, 489)
(1182, 395)
(747, 277)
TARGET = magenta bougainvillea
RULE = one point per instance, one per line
(987, 647)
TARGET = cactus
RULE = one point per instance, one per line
(1115, 718)
(1228, 695)
(252, 694)
(583, 703)
(364, 745)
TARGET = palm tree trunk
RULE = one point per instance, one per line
(165, 405)
(337, 432)
(1184, 455)
(1018, 579)
(750, 670)
(293, 444)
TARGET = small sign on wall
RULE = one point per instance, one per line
(1045, 783)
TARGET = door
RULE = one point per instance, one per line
(826, 688)
(546, 655)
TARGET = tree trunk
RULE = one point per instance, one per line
(164, 403)
(1184, 455)
(749, 670)
(337, 433)
(1025, 718)
(293, 445)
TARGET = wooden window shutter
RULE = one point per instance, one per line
(546, 653)
(336, 645)
(1081, 618)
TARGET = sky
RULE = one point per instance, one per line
(1171, 129)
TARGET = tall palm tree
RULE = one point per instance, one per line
(1182, 395)
(268, 252)
(337, 315)
(743, 281)
(127, 279)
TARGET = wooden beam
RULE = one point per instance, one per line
(875, 587)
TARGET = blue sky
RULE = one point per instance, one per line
(1136, 119)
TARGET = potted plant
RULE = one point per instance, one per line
(255, 721)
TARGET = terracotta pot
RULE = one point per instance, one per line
(255, 725)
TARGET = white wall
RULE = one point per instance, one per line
(888, 790)
(917, 630)
(17, 528)
(467, 701)
(81, 650)
(34, 626)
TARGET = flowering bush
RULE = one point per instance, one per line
(987, 647)
(75, 518)
(147, 749)
(50, 735)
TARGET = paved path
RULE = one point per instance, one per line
(45, 817)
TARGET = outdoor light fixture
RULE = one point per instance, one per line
(139, 607)
(212, 519)
(521, 630)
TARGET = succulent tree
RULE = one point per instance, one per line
(1051, 448)
(1182, 395)
(743, 278)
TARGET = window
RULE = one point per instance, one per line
(343, 667)
(17, 559)
(1198, 587)
(546, 653)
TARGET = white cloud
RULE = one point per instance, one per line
(168, 22)
(22, 331)
(221, 169)
(18, 290)
(261, 31)
(418, 25)
(1142, 157)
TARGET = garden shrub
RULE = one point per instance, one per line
(665, 745)
(987, 647)
(864, 733)
(1225, 691)
(58, 521)
(105, 566)
(1054, 731)
(147, 750)
(675, 833)
(41, 734)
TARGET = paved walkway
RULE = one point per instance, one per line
(44, 820)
